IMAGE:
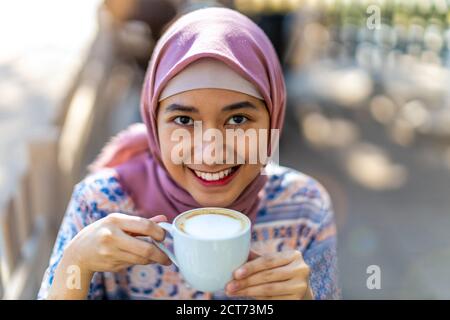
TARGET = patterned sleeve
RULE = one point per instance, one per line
(321, 255)
(77, 216)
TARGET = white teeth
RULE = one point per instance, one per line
(213, 176)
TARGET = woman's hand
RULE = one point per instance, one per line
(109, 243)
(280, 275)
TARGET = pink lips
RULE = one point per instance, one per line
(220, 182)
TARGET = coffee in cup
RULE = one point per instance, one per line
(212, 224)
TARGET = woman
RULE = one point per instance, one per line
(216, 68)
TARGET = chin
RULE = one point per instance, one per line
(216, 201)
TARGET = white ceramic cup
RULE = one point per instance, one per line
(207, 264)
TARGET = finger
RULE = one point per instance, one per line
(128, 258)
(137, 225)
(265, 262)
(293, 286)
(309, 295)
(155, 219)
(142, 248)
(159, 218)
(253, 255)
(271, 275)
(133, 245)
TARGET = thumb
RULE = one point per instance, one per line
(159, 218)
(253, 255)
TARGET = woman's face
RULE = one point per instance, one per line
(209, 181)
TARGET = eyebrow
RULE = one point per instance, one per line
(179, 107)
(232, 107)
(239, 105)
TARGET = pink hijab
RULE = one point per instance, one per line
(218, 33)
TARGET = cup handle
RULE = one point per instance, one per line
(169, 228)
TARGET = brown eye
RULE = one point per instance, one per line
(236, 120)
(184, 120)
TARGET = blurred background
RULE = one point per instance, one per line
(368, 116)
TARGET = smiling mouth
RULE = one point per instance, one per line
(215, 178)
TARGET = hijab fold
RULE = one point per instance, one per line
(217, 33)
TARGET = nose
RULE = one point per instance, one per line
(208, 145)
(209, 150)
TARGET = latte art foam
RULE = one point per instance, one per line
(212, 226)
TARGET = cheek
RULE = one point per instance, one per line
(167, 145)
(251, 147)
(164, 141)
(250, 172)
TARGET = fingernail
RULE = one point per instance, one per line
(240, 272)
(229, 293)
(233, 286)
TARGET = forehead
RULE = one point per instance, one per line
(209, 99)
